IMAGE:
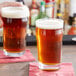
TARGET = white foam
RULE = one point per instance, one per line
(49, 23)
(15, 12)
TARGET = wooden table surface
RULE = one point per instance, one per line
(68, 54)
(21, 69)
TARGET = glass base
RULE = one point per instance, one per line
(49, 67)
(13, 54)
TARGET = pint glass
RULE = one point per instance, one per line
(14, 30)
(49, 34)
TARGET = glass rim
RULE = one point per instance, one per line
(50, 23)
(15, 12)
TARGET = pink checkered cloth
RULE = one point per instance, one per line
(66, 70)
(27, 57)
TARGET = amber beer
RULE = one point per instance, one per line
(49, 42)
(14, 30)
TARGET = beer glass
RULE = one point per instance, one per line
(14, 30)
(49, 34)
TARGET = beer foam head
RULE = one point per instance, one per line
(15, 12)
(49, 23)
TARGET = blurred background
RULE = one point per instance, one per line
(61, 9)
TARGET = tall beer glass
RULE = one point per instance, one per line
(14, 30)
(49, 34)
